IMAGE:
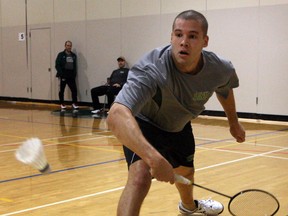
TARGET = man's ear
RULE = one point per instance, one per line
(206, 40)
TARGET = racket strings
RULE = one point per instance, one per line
(253, 203)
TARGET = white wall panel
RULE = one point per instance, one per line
(103, 9)
(69, 10)
(227, 4)
(12, 13)
(273, 64)
(272, 2)
(140, 35)
(234, 36)
(40, 12)
(15, 70)
(166, 28)
(132, 8)
(177, 6)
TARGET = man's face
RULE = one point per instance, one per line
(187, 40)
(121, 63)
(68, 46)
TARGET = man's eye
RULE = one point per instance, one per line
(178, 35)
(193, 36)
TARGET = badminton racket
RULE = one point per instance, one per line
(31, 152)
(251, 202)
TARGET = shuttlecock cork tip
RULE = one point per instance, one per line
(46, 169)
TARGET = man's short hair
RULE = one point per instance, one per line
(193, 15)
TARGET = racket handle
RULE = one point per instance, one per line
(182, 179)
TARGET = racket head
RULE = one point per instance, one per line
(253, 202)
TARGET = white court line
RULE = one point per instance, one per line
(63, 201)
(246, 153)
(120, 188)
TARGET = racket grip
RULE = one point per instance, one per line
(182, 179)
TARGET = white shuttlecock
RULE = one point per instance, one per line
(31, 152)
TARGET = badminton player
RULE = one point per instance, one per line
(151, 115)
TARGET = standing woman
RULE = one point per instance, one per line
(66, 66)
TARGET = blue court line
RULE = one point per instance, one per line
(62, 170)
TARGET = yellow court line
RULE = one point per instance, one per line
(55, 142)
(95, 148)
(42, 139)
(6, 199)
(6, 135)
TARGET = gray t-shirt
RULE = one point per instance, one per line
(160, 94)
(69, 62)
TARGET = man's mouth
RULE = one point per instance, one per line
(183, 53)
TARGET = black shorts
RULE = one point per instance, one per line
(177, 147)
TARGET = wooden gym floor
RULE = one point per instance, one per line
(89, 170)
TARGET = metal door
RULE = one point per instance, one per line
(41, 85)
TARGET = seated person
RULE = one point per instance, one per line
(111, 88)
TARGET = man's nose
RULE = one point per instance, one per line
(184, 41)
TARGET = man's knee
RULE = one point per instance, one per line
(139, 175)
(141, 180)
(92, 91)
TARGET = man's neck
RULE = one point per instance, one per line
(198, 67)
(192, 69)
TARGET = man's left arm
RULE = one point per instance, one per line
(75, 65)
(228, 104)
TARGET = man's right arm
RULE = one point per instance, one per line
(125, 127)
(58, 65)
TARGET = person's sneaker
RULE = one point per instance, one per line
(63, 106)
(203, 207)
(96, 116)
(96, 111)
(75, 106)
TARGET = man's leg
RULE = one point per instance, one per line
(136, 189)
(62, 86)
(95, 93)
(72, 85)
(111, 92)
(186, 191)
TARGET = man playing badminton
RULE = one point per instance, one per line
(151, 115)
